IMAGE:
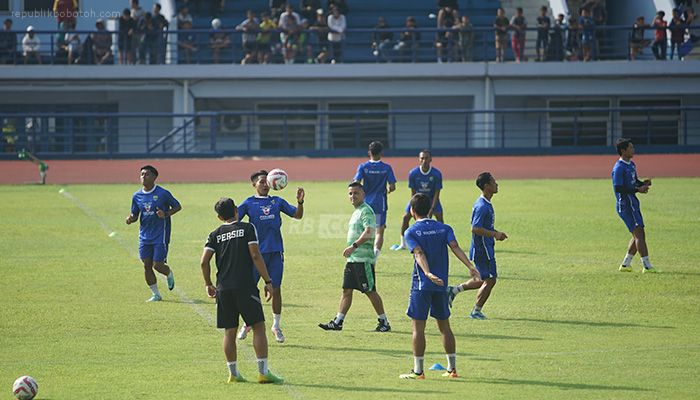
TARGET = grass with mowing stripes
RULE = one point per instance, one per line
(563, 322)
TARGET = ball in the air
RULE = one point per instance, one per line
(25, 388)
(277, 179)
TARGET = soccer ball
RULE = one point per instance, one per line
(25, 388)
(277, 179)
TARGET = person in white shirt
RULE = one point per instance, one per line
(337, 26)
(31, 45)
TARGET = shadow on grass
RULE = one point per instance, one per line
(586, 323)
(471, 335)
(562, 385)
(365, 388)
(387, 352)
(191, 301)
(682, 273)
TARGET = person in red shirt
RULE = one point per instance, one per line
(65, 11)
(660, 45)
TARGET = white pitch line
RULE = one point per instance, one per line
(203, 313)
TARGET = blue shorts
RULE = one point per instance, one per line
(631, 217)
(420, 302)
(486, 267)
(438, 207)
(155, 252)
(379, 213)
(275, 267)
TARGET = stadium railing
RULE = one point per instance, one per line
(337, 133)
(612, 43)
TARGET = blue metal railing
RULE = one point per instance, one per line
(611, 43)
(324, 132)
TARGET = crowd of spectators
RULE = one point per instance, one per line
(314, 34)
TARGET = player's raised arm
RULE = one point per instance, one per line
(457, 251)
(422, 261)
(299, 214)
(205, 264)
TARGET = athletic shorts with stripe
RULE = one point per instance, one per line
(360, 276)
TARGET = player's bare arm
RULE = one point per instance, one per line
(422, 261)
(131, 219)
(477, 230)
(392, 187)
(457, 251)
(169, 213)
(255, 255)
(205, 264)
(436, 199)
(367, 234)
(300, 203)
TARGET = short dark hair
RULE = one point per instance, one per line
(420, 203)
(355, 184)
(376, 148)
(226, 208)
(622, 144)
(150, 168)
(544, 8)
(158, 6)
(426, 151)
(519, 9)
(256, 174)
(8, 21)
(661, 14)
(483, 179)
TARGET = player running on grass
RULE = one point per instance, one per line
(154, 206)
(375, 175)
(627, 185)
(427, 180)
(235, 245)
(428, 240)
(264, 212)
(359, 269)
(481, 252)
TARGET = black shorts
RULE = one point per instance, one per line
(234, 302)
(360, 276)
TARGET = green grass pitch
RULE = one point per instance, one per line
(563, 322)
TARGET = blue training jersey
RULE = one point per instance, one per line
(264, 213)
(154, 230)
(433, 237)
(425, 182)
(483, 216)
(625, 174)
(374, 176)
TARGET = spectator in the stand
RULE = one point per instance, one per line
(447, 18)
(127, 30)
(600, 17)
(336, 34)
(501, 25)
(31, 46)
(264, 39)
(186, 42)
(693, 43)
(8, 43)
(637, 40)
(307, 9)
(382, 41)
(660, 45)
(572, 40)
(519, 26)
(409, 41)
(73, 46)
(184, 16)
(448, 3)
(543, 25)
(677, 28)
(289, 38)
(285, 16)
(249, 27)
(557, 39)
(150, 38)
(162, 26)
(218, 40)
(65, 12)
(60, 45)
(587, 27)
(466, 39)
(303, 43)
(137, 12)
(102, 44)
(320, 27)
(341, 5)
(277, 8)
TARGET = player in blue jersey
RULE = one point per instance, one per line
(428, 240)
(427, 180)
(627, 185)
(264, 212)
(377, 180)
(484, 237)
(153, 206)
